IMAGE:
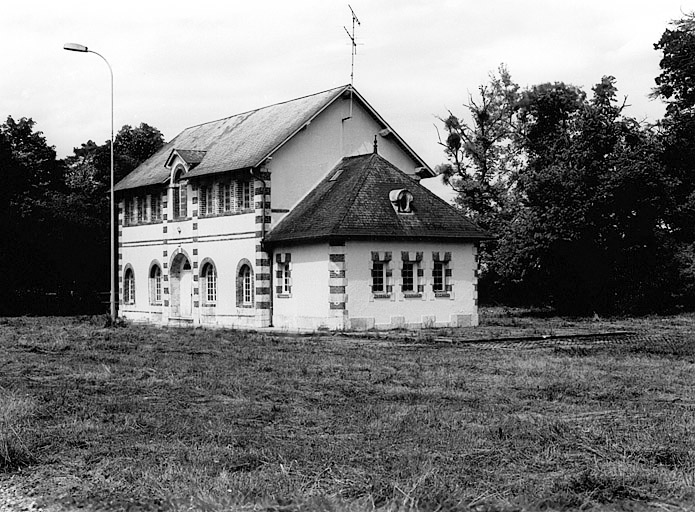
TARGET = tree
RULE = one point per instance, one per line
(54, 217)
(29, 220)
(480, 154)
(676, 82)
(482, 161)
(132, 146)
(675, 85)
(589, 234)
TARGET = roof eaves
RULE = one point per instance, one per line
(303, 239)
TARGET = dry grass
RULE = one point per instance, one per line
(141, 418)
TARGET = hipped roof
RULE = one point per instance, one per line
(356, 205)
(244, 140)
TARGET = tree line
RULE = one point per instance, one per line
(590, 210)
(54, 218)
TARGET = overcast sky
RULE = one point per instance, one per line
(181, 63)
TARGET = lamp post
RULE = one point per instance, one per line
(74, 47)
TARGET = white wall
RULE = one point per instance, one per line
(458, 309)
(306, 159)
(307, 307)
(225, 240)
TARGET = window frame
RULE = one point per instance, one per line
(439, 277)
(247, 195)
(179, 196)
(379, 273)
(156, 285)
(286, 278)
(130, 211)
(155, 207)
(129, 286)
(409, 277)
(209, 278)
(245, 285)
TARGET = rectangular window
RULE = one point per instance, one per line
(438, 280)
(156, 207)
(130, 211)
(378, 277)
(140, 206)
(238, 196)
(224, 197)
(210, 199)
(408, 277)
(184, 201)
(203, 203)
(180, 201)
(247, 196)
(176, 197)
(286, 277)
(228, 195)
(146, 215)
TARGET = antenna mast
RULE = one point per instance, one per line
(354, 43)
(351, 35)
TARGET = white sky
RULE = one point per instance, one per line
(180, 63)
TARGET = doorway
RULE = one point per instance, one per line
(181, 287)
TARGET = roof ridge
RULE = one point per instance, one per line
(253, 110)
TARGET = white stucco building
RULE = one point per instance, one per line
(306, 214)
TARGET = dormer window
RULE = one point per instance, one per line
(402, 200)
(180, 196)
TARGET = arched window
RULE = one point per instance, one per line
(245, 292)
(129, 287)
(155, 285)
(209, 275)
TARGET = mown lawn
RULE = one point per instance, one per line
(144, 418)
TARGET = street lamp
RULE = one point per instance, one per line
(74, 47)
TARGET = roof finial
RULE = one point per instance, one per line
(375, 145)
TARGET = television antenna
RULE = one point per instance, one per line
(351, 35)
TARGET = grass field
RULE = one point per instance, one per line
(144, 418)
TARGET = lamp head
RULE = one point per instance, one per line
(74, 47)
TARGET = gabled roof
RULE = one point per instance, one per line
(244, 140)
(190, 156)
(355, 204)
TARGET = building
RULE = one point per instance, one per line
(306, 214)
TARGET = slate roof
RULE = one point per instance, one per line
(191, 157)
(356, 205)
(241, 141)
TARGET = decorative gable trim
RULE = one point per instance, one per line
(189, 157)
